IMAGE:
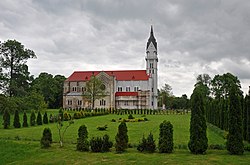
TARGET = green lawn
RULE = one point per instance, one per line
(20, 152)
(135, 129)
(27, 150)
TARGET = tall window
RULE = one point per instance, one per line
(127, 89)
(69, 102)
(136, 88)
(119, 89)
(126, 103)
(79, 102)
(102, 102)
(151, 65)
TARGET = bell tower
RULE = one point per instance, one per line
(152, 67)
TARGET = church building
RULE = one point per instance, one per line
(124, 89)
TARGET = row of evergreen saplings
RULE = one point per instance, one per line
(39, 119)
(33, 119)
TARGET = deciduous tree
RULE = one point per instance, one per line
(95, 89)
(14, 74)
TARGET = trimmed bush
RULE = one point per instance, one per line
(32, 119)
(121, 138)
(166, 144)
(46, 139)
(45, 118)
(96, 144)
(25, 123)
(107, 144)
(82, 140)
(66, 116)
(147, 145)
(16, 120)
(39, 119)
(6, 119)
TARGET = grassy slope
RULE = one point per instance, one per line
(135, 130)
(27, 150)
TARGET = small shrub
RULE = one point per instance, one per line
(46, 139)
(147, 145)
(104, 128)
(107, 144)
(166, 143)
(142, 145)
(121, 138)
(96, 144)
(130, 116)
(66, 116)
(32, 119)
(25, 123)
(6, 119)
(39, 118)
(113, 120)
(82, 140)
(16, 120)
(45, 118)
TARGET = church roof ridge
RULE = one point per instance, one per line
(121, 75)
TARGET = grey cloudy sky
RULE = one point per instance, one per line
(194, 36)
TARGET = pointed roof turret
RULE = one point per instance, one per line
(152, 38)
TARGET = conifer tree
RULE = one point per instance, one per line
(82, 140)
(39, 119)
(106, 144)
(198, 129)
(121, 138)
(166, 144)
(25, 123)
(16, 120)
(46, 139)
(32, 119)
(148, 144)
(6, 119)
(45, 118)
(235, 139)
(248, 118)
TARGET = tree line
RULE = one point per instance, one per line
(167, 100)
(225, 107)
(19, 90)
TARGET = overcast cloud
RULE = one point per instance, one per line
(194, 36)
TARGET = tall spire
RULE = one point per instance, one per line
(151, 33)
(152, 38)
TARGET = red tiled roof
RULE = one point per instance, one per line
(126, 94)
(121, 75)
